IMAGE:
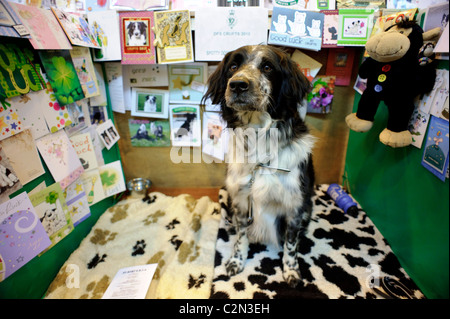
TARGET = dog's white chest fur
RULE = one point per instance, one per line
(274, 193)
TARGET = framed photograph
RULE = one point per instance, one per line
(150, 103)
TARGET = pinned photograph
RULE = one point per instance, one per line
(150, 103)
(108, 133)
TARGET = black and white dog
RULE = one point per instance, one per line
(260, 87)
(137, 33)
(150, 103)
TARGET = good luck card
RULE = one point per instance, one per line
(298, 29)
(23, 236)
(136, 37)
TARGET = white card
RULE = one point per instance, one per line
(131, 282)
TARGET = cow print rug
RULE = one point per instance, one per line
(341, 256)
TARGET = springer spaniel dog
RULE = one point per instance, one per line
(260, 88)
(137, 33)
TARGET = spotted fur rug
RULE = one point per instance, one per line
(341, 256)
(178, 233)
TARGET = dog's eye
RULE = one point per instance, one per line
(233, 67)
(267, 68)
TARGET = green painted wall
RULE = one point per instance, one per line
(408, 204)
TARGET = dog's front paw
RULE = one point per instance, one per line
(292, 277)
(234, 266)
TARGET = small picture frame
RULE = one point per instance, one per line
(108, 133)
(150, 103)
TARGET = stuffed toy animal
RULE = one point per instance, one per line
(395, 77)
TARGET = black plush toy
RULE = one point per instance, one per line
(394, 76)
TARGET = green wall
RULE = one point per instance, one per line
(408, 204)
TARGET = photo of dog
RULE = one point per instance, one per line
(261, 88)
(150, 103)
(137, 33)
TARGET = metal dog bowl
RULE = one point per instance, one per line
(139, 186)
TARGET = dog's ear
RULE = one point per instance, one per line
(293, 88)
(130, 25)
(217, 82)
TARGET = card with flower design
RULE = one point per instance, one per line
(321, 95)
(23, 236)
(82, 61)
(52, 210)
(62, 75)
(61, 158)
(76, 28)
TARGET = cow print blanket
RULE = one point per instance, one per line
(341, 256)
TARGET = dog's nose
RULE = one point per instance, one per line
(238, 86)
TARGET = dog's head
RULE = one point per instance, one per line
(136, 29)
(151, 98)
(257, 78)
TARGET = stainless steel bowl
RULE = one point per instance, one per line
(139, 185)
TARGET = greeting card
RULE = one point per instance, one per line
(81, 58)
(10, 123)
(113, 72)
(340, 64)
(215, 136)
(321, 96)
(136, 37)
(51, 208)
(30, 113)
(60, 157)
(330, 28)
(145, 75)
(123, 5)
(108, 133)
(187, 82)
(76, 200)
(112, 178)
(185, 125)
(9, 21)
(23, 156)
(418, 126)
(232, 28)
(23, 236)
(62, 75)
(150, 103)
(82, 144)
(9, 183)
(21, 76)
(106, 29)
(436, 150)
(76, 28)
(92, 183)
(307, 65)
(101, 99)
(298, 29)
(148, 133)
(173, 39)
(355, 26)
(46, 33)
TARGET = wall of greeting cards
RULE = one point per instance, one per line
(86, 83)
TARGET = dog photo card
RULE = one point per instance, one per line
(136, 37)
(150, 103)
(108, 133)
(185, 125)
(148, 133)
(355, 26)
